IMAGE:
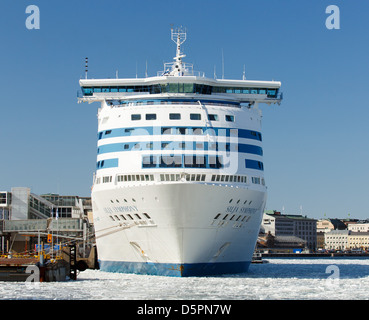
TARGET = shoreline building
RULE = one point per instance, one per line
(290, 228)
(358, 240)
(327, 225)
(336, 240)
(26, 218)
(359, 226)
(346, 240)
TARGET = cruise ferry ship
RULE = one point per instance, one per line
(179, 186)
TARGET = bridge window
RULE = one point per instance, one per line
(87, 91)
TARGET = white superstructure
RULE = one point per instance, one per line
(179, 186)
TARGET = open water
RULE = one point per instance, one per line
(280, 279)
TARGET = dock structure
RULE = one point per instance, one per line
(55, 248)
(51, 234)
(14, 269)
(23, 269)
(45, 267)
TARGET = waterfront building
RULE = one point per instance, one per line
(358, 240)
(346, 240)
(5, 201)
(25, 217)
(327, 225)
(348, 221)
(268, 243)
(21, 204)
(358, 227)
(69, 206)
(320, 240)
(336, 240)
(289, 225)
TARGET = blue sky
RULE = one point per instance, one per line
(315, 144)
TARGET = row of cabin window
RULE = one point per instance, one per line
(177, 116)
(230, 178)
(177, 177)
(244, 219)
(236, 178)
(136, 177)
(123, 217)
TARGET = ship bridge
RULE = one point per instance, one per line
(179, 80)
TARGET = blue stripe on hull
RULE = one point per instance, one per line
(175, 270)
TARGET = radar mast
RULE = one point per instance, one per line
(179, 36)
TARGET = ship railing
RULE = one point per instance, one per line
(174, 102)
(187, 70)
(194, 73)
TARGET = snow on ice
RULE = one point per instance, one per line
(280, 279)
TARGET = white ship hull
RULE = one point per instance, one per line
(194, 229)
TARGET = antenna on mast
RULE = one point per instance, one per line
(179, 35)
(86, 67)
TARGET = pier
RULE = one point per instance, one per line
(21, 269)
